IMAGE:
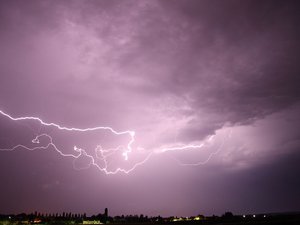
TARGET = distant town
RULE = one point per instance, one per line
(71, 218)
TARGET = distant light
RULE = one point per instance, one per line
(244, 216)
(91, 222)
(253, 216)
(9, 217)
(265, 216)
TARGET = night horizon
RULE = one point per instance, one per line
(170, 108)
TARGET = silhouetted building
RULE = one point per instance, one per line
(106, 212)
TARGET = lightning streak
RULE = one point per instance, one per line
(76, 149)
(100, 153)
(211, 154)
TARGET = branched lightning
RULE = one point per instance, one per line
(79, 151)
(100, 153)
(210, 155)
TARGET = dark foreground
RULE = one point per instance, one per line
(226, 219)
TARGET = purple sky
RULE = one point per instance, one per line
(220, 73)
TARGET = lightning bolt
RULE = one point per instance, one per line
(186, 147)
(100, 153)
(211, 154)
(80, 152)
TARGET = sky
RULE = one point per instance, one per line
(195, 106)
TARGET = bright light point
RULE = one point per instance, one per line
(125, 155)
(244, 216)
(36, 141)
(254, 216)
